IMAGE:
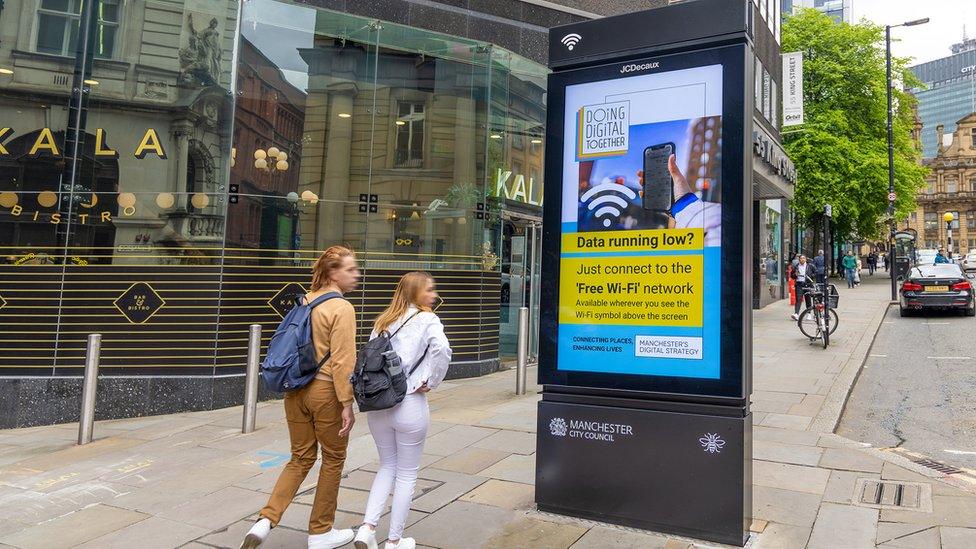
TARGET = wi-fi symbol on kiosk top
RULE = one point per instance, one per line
(570, 40)
(603, 201)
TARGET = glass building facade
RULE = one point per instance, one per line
(170, 170)
(948, 94)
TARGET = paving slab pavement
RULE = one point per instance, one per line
(192, 480)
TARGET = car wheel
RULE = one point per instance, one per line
(971, 311)
(904, 312)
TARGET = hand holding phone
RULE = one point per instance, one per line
(658, 186)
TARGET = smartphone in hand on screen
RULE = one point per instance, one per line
(658, 186)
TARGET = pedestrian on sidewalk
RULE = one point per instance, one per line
(820, 267)
(849, 264)
(940, 257)
(803, 275)
(320, 414)
(887, 260)
(400, 431)
(857, 272)
(872, 262)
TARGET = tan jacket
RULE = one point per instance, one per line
(334, 331)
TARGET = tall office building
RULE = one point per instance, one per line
(838, 10)
(948, 94)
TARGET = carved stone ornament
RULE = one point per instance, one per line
(200, 58)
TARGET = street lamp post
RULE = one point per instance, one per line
(891, 147)
(948, 217)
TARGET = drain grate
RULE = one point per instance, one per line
(893, 494)
(890, 494)
(937, 466)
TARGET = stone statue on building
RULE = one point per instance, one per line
(200, 58)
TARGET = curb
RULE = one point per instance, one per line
(840, 391)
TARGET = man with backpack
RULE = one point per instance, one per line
(310, 359)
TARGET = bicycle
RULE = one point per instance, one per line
(820, 319)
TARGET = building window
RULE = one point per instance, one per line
(951, 185)
(914, 218)
(972, 184)
(955, 220)
(410, 135)
(971, 220)
(972, 138)
(931, 220)
(58, 22)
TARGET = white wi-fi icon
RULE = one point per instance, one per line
(570, 40)
(602, 201)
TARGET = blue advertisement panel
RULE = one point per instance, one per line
(645, 226)
(641, 225)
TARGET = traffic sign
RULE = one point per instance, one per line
(891, 196)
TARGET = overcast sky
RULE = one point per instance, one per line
(924, 42)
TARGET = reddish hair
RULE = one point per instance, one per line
(327, 263)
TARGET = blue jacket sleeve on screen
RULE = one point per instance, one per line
(689, 211)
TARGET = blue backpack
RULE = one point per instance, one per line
(290, 363)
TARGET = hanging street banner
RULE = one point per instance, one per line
(793, 88)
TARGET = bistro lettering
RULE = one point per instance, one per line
(45, 143)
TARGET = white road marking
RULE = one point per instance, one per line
(960, 452)
(937, 323)
(879, 356)
(949, 357)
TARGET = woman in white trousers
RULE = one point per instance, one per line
(399, 432)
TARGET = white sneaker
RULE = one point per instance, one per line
(795, 316)
(331, 539)
(404, 543)
(257, 534)
(365, 538)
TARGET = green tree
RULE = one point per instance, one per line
(841, 151)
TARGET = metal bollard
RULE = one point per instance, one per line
(251, 378)
(86, 423)
(523, 350)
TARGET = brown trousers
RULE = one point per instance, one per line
(314, 417)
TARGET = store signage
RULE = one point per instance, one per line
(766, 150)
(792, 88)
(515, 188)
(47, 207)
(139, 303)
(45, 142)
(970, 68)
(284, 300)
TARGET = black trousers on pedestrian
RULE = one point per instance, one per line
(802, 295)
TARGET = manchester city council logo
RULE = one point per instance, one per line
(557, 427)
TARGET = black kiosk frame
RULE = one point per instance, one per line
(670, 453)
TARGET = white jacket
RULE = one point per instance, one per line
(424, 331)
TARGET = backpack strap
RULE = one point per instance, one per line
(422, 357)
(404, 324)
(315, 303)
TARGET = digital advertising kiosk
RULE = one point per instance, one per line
(645, 338)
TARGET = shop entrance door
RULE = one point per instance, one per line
(520, 279)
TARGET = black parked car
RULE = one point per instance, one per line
(942, 286)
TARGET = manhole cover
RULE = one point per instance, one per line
(893, 494)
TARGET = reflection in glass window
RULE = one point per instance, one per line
(58, 22)
(410, 135)
(931, 220)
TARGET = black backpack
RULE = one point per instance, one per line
(378, 381)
